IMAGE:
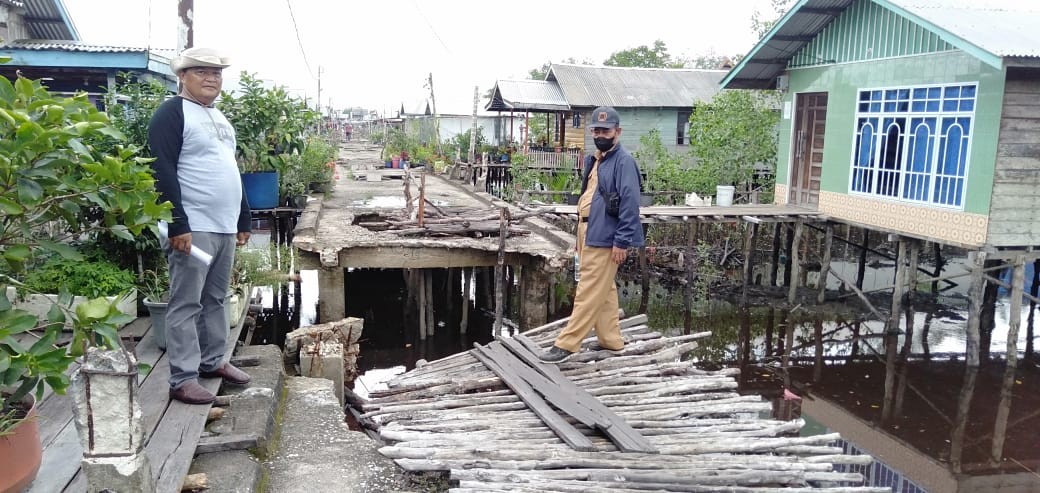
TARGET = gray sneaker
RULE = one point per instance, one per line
(594, 346)
(555, 355)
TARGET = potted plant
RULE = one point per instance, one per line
(58, 160)
(269, 125)
(154, 286)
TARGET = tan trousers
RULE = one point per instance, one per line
(595, 300)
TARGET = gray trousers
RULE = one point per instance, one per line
(196, 324)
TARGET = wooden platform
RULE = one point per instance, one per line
(457, 415)
(173, 428)
(757, 213)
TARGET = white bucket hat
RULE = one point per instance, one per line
(199, 57)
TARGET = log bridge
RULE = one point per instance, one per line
(645, 418)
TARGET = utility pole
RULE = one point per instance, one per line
(185, 27)
(436, 119)
(319, 89)
(473, 131)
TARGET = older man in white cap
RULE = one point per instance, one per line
(195, 169)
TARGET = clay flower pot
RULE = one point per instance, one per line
(21, 452)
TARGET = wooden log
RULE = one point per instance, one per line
(664, 386)
(861, 265)
(606, 487)
(724, 478)
(666, 355)
(431, 321)
(774, 265)
(640, 348)
(215, 413)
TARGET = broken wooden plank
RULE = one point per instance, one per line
(626, 438)
(554, 421)
(223, 443)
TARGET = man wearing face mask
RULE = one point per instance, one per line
(608, 225)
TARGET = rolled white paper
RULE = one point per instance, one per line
(198, 253)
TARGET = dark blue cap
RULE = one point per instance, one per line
(604, 117)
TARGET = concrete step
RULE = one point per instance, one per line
(250, 414)
(316, 451)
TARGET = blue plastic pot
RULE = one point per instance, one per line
(261, 189)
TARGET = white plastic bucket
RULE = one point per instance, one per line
(724, 195)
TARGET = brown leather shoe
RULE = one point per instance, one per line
(192, 393)
(229, 373)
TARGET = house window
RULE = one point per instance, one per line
(682, 128)
(911, 143)
(576, 121)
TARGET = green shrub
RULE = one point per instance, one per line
(81, 278)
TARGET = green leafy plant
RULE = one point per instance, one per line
(261, 266)
(268, 123)
(733, 134)
(57, 184)
(81, 278)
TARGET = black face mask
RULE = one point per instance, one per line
(603, 144)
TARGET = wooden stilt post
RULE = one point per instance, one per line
(975, 293)
(1018, 280)
(692, 230)
(960, 422)
(467, 274)
(749, 250)
(892, 330)
(431, 320)
(420, 285)
(899, 288)
(937, 253)
(500, 269)
(861, 268)
(789, 245)
(774, 265)
(818, 350)
(793, 259)
(825, 264)
(1033, 291)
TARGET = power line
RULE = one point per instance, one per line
(299, 41)
(432, 30)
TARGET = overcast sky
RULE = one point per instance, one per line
(377, 54)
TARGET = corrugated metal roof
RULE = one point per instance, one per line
(48, 19)
(989, 29)
(527, 95)
(1002, 28)
(624, 87)
(62, 45)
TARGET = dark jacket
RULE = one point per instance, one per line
(617, 173)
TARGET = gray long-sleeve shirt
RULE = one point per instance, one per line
(195, 168)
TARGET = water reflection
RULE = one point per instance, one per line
(913, 386)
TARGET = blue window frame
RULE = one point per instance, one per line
(912, 143)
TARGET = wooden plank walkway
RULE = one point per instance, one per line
(173, 428)
(456, 415)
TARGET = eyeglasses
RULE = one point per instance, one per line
(206, 73)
